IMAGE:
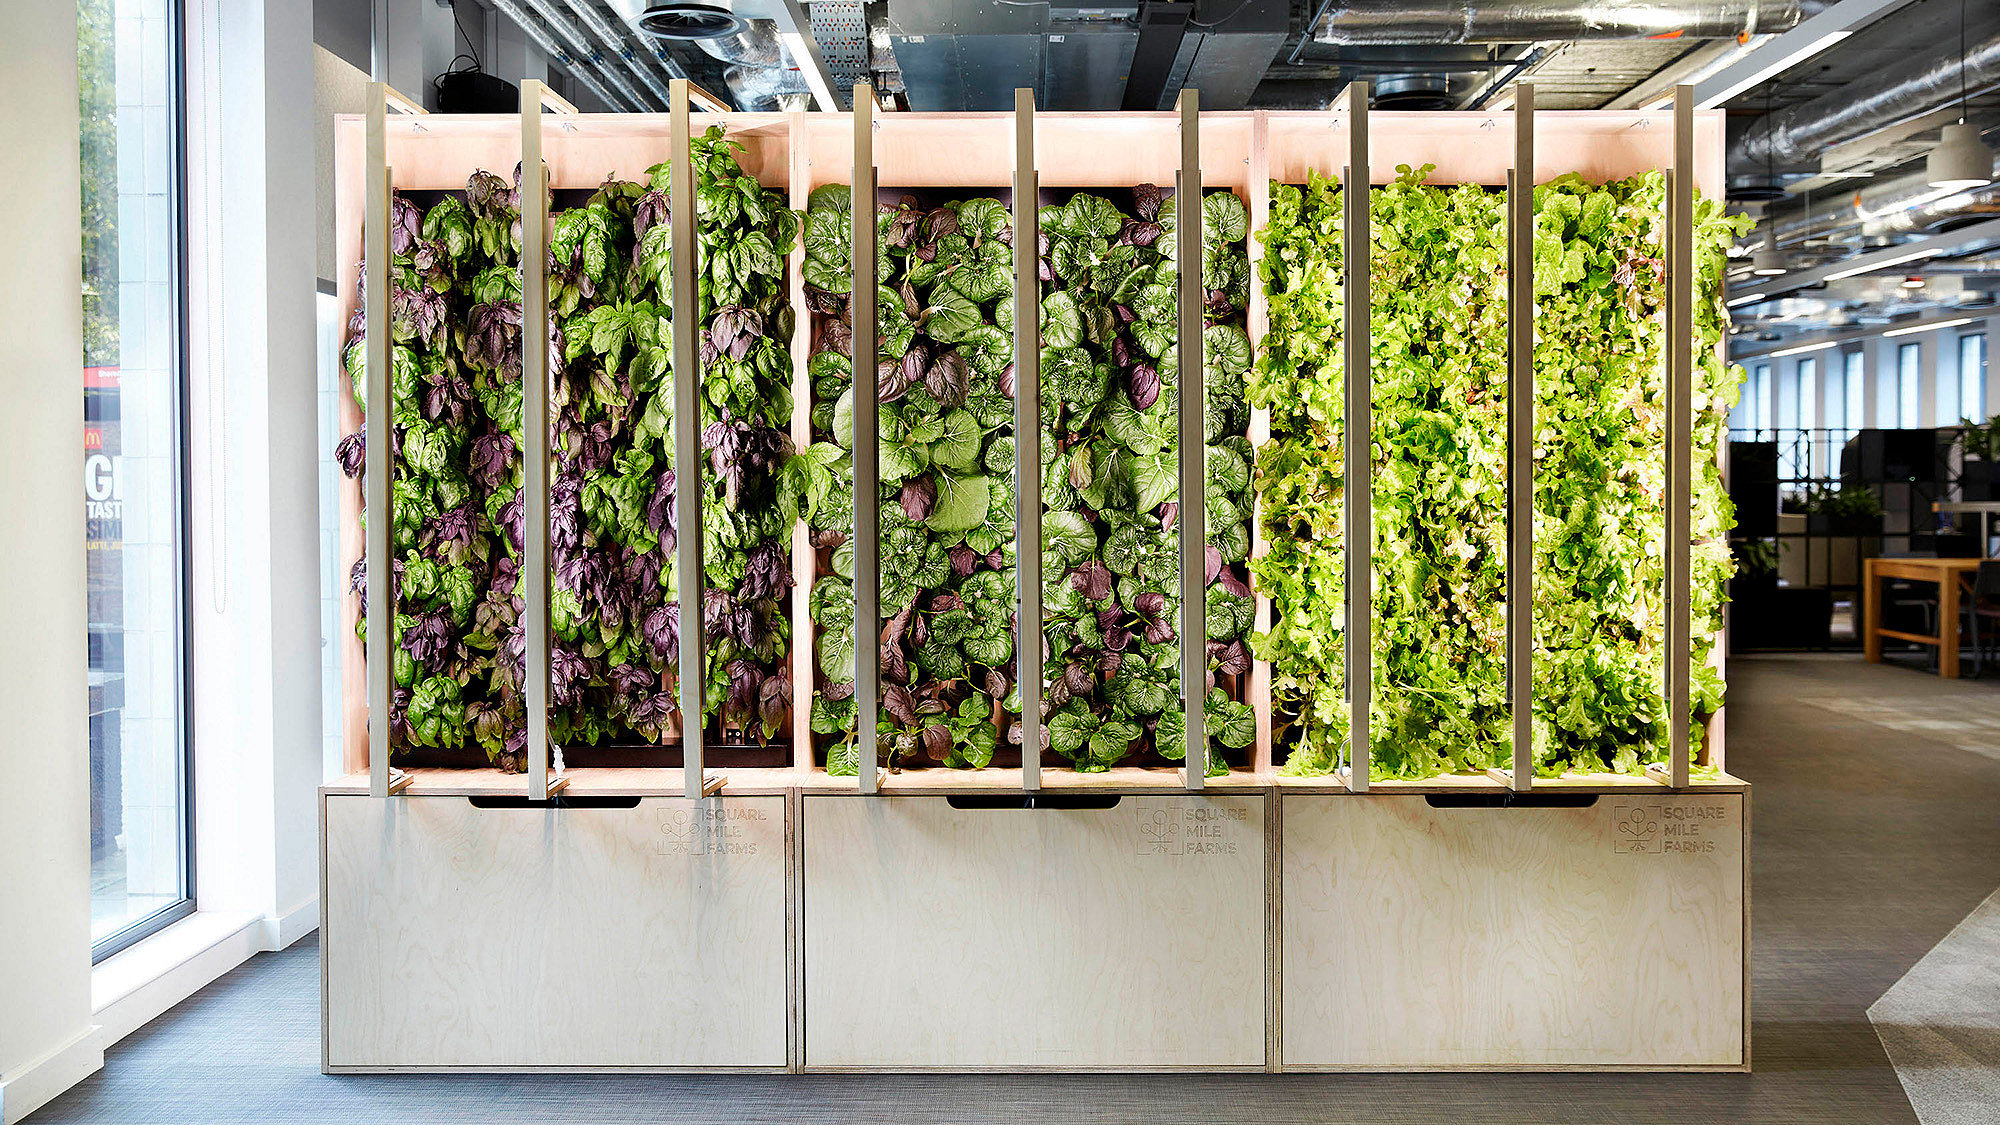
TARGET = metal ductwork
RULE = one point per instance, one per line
(761, 76)
(564, 41)
(1795, 136)
(1885, 211)
(1364, 22)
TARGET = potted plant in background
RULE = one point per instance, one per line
(1850, 511)
(1979, 460)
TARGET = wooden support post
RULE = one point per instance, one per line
(1027, 439)
(1521, 439)
(1192, 446)
(687, 444)
(804, 558)
(377, 269)
(867, 546)
(1259, 324)
(1358, 485)
(535, 435)
(1680, 433)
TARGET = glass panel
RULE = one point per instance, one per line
(1760, 397)
(1808, 395)
(1972, 377)
(132, 480)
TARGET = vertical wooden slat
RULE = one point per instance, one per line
(687, 443)
(535, 436)
(867, 572)
(1258, 317)
(381, 430)
(1027, 439)
(1358, 470)
(1193, 449)
(804, 558)
(1521, 438)
(1680, 431)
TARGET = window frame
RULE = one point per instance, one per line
(181, 424)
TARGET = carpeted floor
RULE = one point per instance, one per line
(1876, 831)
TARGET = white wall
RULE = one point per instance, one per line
(254, 440)
(46, 1041)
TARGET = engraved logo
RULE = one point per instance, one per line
(1636, 830)
(1158, 834)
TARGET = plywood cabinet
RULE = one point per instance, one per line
(1129, 937)
(648, 937)
(1606, 936)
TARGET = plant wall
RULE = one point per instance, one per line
(1110, 481)
(1438, 454)
(944, 379)
(944, 383)
(459, 512)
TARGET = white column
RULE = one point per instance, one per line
(46, 1039)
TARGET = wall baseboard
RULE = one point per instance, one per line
(134, 987)
(40, 1081)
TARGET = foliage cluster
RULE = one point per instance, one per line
(1439, 454)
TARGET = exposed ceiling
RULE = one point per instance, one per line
(1853, 181)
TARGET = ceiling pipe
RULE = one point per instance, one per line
(1901, 206)
(574, 57)
(615, 35)
(587, 56)
(1796, 135)
(1512, 21)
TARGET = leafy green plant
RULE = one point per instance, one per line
(944, 383)
(1981, 439)
(1848, 502)
(1438, 453)
(1110, 477)
(614, 606)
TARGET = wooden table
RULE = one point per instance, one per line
(1952, 577)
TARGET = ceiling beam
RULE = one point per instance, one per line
(1834, 23)
(795, 31)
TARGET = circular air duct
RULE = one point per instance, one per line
(1412, 91)
(689, 21)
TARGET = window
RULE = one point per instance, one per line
(1808, 396)
(140, 851)
(1760, 397)
(1972, 377)
(1855, 411)
(1909, 366)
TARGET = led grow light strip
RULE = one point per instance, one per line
(1521, 438)
(1359, 534)
(535, 439)
(1189, 214)
(687, 445)
(867, 548)
(1680, 434)
(1027, 439)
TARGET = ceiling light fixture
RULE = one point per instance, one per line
(1801, 350)
(1960, 160)
(1913, 283)
(1747, 299)
(1871, 267)
(1928, 327)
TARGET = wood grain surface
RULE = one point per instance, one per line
(1422, 937)
(649, 937)
(1129, 937)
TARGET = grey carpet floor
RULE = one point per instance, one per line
(1941, 1024)
(1875, 834)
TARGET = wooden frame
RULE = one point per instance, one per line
(1242, 151)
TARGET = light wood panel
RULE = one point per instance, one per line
(463, 938)
(1428, 938)
(1477, 148)
(1130, 937)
